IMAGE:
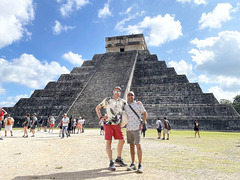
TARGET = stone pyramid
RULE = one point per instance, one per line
(128, 63)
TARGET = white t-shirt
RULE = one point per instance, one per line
(65, 121)
(157, 123)
(133, 120)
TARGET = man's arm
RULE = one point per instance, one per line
(145, 115)
(98, 108)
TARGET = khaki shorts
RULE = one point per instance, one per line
(133, 137)
(165, 131)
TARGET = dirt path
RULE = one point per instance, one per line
(83, 156)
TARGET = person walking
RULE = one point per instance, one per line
(114, 108)
(134, 112)
(196, 128)
(166, 128)
(65, 121)
(70, 126)
(45, 123)
(79, 125)
(40, 122)
(26, 125)
(34, 123)
(52, 123)
(74, 126)
(158, 126)
(8, 123)
(2, 113)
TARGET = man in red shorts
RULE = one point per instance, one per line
(114, 107)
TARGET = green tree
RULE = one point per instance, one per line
(225, 101)
(236, 103)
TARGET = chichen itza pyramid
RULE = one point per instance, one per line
(128, 63)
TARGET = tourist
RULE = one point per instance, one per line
(114, 108)
(134, 112)
(196, 128)
(144, 129)
(8, 123)
(83, 124)
(70, 126)
(2, 113)
(40, 122)
(101, 124)
(52, 123)
(65, 121)
(74, 125)
(60, 127)
(166, 128)
(79, 125)
(158, 126)
(26, 125)
(45, 123)
(33, 124)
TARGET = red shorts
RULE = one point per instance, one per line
(51, 125)
(113, 131)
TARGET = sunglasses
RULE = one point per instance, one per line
(117, 92)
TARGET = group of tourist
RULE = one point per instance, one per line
(32, 122)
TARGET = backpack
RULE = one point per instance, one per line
(9, 121)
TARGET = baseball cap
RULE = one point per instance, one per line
(131, 92)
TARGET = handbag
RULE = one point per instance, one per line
(124, 119)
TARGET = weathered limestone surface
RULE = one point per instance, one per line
(162, 91)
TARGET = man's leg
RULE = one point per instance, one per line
(120, 147)
(109, 149)
(132, 152)
(139, 153)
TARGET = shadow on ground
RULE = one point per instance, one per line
(85, 174)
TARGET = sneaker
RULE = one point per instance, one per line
(1, 138)
(163, 138)
(112, 166)
(23, 136)
(167, 138)
(140, 170)
(132, 167)
(158, 137)
(26, 137)
(120, 162)
(11, 135)
(32, 136)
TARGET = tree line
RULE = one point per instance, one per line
(235, 103)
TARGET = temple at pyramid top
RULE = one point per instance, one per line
(125, 43)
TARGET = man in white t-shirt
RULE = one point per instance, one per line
(65, 121)
(9, 123)
(134, 112)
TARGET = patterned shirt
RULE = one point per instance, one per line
(114, 109)
(133, 120)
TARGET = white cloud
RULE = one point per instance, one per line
(11, 101)
(219, 15)
(58, 28)
(162, 29)
(74, 59)
(128, 10)
(220, 94)
(29, 71)
(197, 2)
(183, 67)
(69, 6)
(14, 16)
(218, 58)
(103, 13)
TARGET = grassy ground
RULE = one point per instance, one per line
(214, 152)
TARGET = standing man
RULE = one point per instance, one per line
(158, 126)
(65, 121)
(9, 123)
(134, 112)
(34, 123)
(114, 108)
(2, 113)
(166, 128)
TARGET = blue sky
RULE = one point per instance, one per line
(42, 39)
